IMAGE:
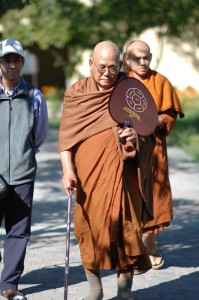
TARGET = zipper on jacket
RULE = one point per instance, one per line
(10, 109)
(10, 103)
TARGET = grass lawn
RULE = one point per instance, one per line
(186, 133)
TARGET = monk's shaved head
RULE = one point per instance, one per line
(137, 44)
(106, 49)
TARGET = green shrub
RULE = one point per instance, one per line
(186, 133)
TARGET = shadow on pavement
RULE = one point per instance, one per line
(179, 243)
(186, 285)
(51, 277)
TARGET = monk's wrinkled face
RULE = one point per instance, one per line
(104, 67)
(138, 58)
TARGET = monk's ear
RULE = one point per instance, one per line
(90, 62)
(125, 60)
(150, 57)
(125, 56)
(125, 65)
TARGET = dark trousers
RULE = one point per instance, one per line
(16, 211)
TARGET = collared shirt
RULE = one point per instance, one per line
(40, 114)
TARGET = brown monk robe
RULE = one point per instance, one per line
(169, 107)
(137, 59)
(113, 196)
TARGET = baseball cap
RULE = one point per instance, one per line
(11, 46)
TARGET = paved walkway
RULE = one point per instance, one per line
(43, 276)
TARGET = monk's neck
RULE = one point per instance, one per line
(132, 74)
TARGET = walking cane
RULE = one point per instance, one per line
(67, 246)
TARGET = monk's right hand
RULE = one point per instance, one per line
(69, 183)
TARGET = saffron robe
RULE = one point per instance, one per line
(169, 107)
(112, 194)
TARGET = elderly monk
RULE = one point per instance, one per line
(137, 60)
(112, 194)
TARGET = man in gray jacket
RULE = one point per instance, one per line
(23, 129)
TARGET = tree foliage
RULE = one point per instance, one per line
(67, 27)
(10, 4)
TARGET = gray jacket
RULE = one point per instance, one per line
(17, 149)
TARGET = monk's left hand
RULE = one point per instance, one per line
(161, 123)
(129, 134)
